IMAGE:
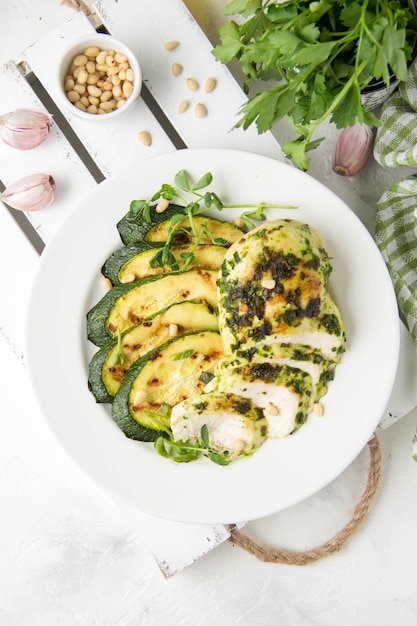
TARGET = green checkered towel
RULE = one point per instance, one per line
(396, 218)
(396, 236)
(396, 138)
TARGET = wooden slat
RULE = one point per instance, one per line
(113, 145)
(146, 26)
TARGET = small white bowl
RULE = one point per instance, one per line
(104, 42)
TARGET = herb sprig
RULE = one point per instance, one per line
(179, 451)
(321, 55)
(201, 202)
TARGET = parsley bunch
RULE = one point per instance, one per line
(321, 55)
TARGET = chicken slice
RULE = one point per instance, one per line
(310, 360)
(235, 424)
(285, 393)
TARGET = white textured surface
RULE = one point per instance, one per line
(70, 556)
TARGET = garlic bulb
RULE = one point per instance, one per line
(353, 147)
(31, 193)
(24, 129)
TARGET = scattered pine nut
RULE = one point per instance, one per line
(145, 138)
(268, 283)
(139, 398)
(210, 84)
(162, 206)
(173, 330)
(271, 409)
(127, 278)
(200, 110)
(318, 409)
(238, 222)
(176, 69)
(107, 284)
(183, 106)
(171, 45)
(192, 84)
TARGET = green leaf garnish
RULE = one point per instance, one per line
(320, 55)
(178, 356)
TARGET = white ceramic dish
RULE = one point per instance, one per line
(283, 472)
(104, 42)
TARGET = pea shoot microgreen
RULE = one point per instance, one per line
(119, 356)
(184, 220)
(182, 452)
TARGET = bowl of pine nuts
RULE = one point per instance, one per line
(99, 77)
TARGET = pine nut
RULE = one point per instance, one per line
(108, 105)
(173, 330)
(92, 79)
(145, 138)
(69, 84)
(82, 76)
(183, 106)
(106, 95)
(80, 60)
(120, 58)
(238, 222)
(271, 409)
(171, 45)
(92, 51)
(139, 398)
(129, 75)
(200, 110)
(107, 284)
(73, 96)
(101, 57)
(90, 66)
(268, 283)
(210, 85)
(94, 91)
(192, 84)
(176, 69)
(79, 89)
(162, 206)
(80, 106)
(127, 89)
(318, 409)
(127, 278)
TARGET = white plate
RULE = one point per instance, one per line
(283, 472)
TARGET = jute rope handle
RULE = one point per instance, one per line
(290, 557)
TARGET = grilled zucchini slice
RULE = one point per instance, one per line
(126, 305)
(163, 378)
(132, 262)
(110, 364)
(133, 227)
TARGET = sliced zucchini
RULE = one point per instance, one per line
(121, 256)
(110, 364)
(133, 262)
(126, 305)
(161, 379)
(133, 227)
(218, 229)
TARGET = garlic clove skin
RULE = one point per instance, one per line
(353, 147)
(24, 129)
(31, 193)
